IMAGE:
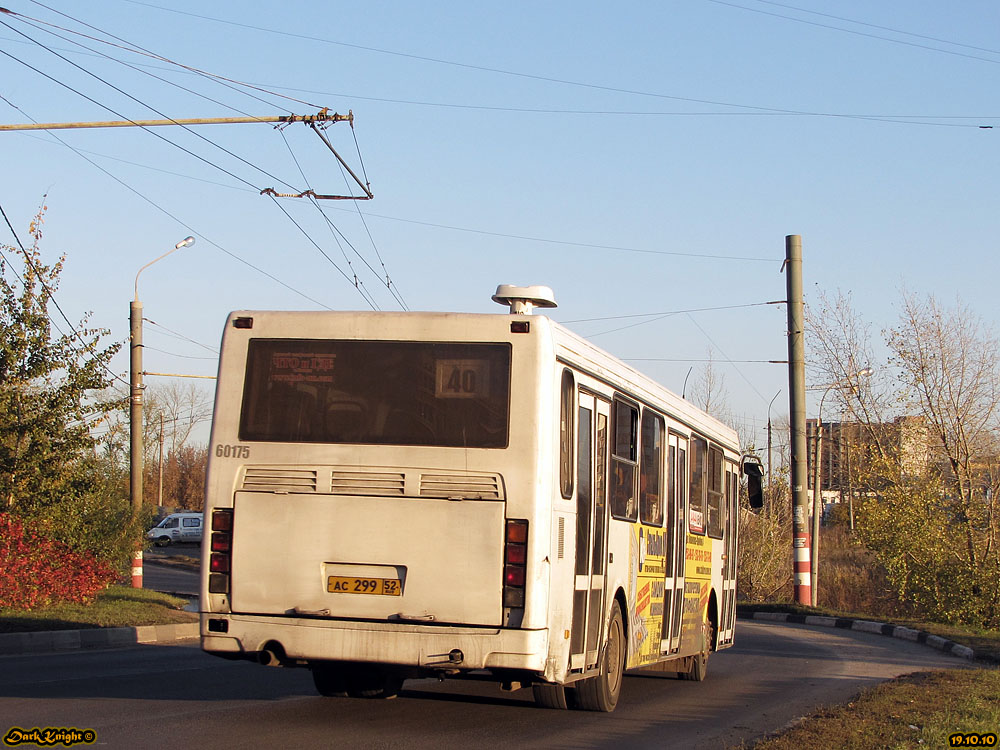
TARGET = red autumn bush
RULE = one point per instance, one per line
(36, 571)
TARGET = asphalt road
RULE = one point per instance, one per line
(173, 578)
(175, 696)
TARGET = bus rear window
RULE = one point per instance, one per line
(377, 392)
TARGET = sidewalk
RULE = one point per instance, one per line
(64, 640)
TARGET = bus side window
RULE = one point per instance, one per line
(566, 403)
(651, 469)
(696, 516)
(716, 506)
(624, 461)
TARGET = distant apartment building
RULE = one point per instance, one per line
(846, 447)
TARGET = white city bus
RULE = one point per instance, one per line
(404, 495)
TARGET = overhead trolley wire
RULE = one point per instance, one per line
(882, 28)
(139, 50)
(333, 229)
(180, 222)
(388, 281)
(174, 144)
(182, 336)
(865, 34)
(136, 49)
(355, 282)
(892, 119)
(138, 101)
(501, 71)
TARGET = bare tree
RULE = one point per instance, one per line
(709, 391)
(930, 416)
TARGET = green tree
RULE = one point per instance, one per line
(51, 375)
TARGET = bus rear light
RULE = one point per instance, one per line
(517, 554)
(221, 541)
(513, 575)
(222, 520)
(515, 562)
(517, 531)
(219, 563)
(220, 560)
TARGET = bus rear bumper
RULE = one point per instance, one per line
(431, 647)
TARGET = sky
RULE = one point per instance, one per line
(646, 161)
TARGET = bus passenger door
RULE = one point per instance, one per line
(727, 621)
(676, 544)
(591, 532)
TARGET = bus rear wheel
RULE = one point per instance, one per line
(373, 683)
(601, 692)
(553, 696)
(342, 680)
(698, 670)
(330, 680)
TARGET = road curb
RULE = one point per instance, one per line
(866, 626)
(67, 640)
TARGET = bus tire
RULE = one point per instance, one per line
(330, 681)
(374, 683)
(601, 692)
(698, 670)
(552, 696)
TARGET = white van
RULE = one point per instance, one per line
(177, 527)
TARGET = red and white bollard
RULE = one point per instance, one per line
(137, 569)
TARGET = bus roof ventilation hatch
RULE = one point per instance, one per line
(522, 299)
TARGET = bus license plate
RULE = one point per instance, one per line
(355, 585)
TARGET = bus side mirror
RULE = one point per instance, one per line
(754, 473)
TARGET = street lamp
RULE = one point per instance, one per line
(845, 383)
(135, 405)
(769, 438)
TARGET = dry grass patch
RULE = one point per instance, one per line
(920, 710)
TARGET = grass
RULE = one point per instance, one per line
(920, 710)
(116, 606)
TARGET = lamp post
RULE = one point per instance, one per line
(845, 383)
(135, 406)
(769, 438)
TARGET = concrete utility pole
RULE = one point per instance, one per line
(797, 414)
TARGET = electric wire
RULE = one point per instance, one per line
(174, 354)
(388, 280)
(669, 312)
(182, 336)
(139, 50)
(139, 69)
(726, 357)
(357, 282)
(570, 243)
(212, 76)
(896, 119)
(148, 130)
(354, 282)
(141, 103)
(861, 33)
(471, 66)
(882, 28)
(180, 222)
